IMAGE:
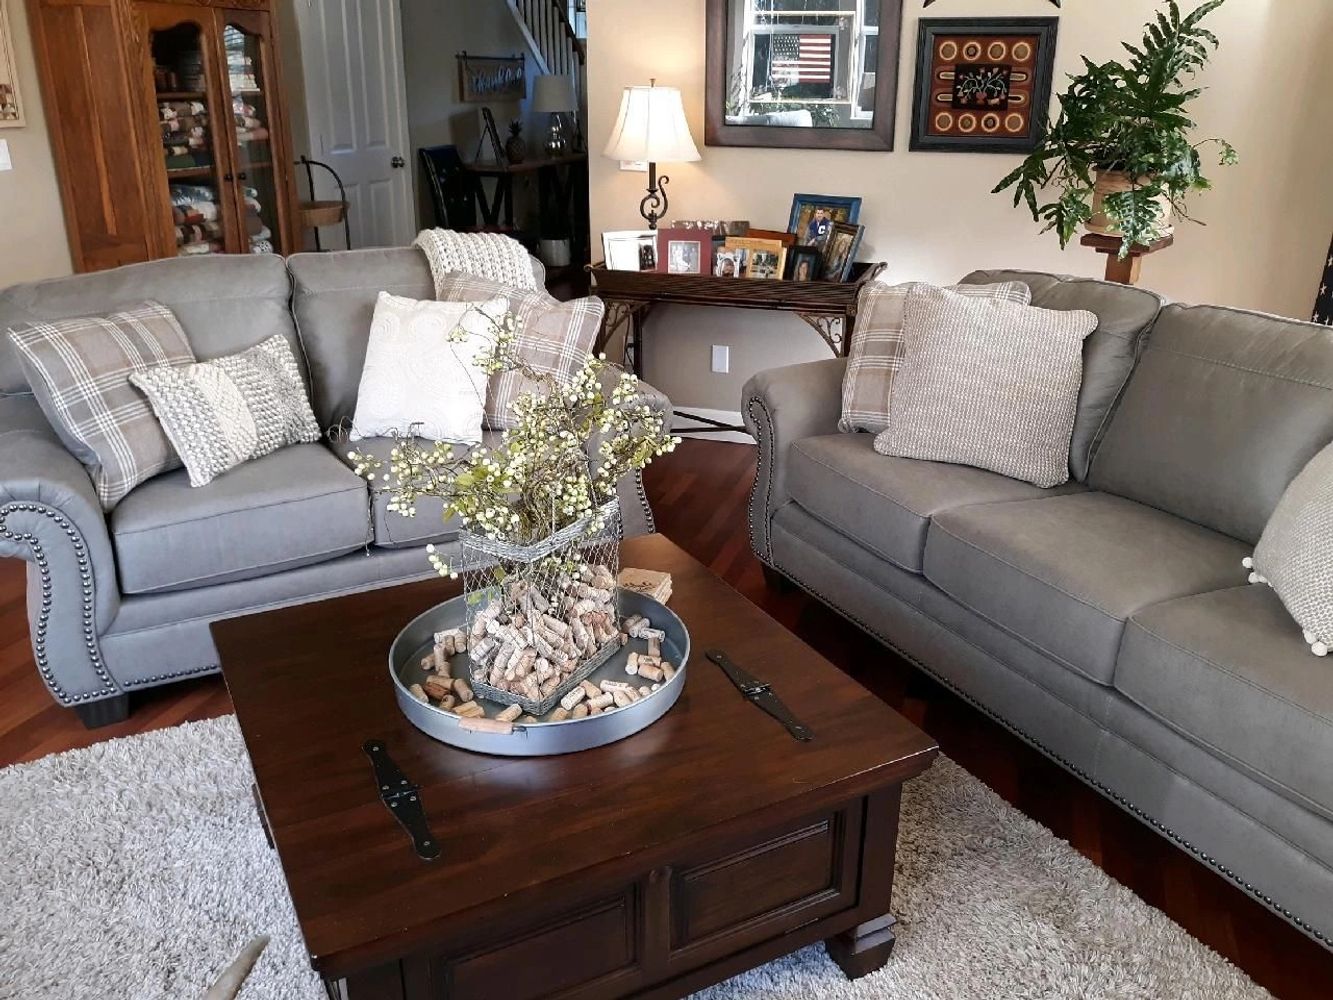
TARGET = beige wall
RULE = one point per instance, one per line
(32, 228)
(931, 216)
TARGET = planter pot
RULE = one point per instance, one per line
(554, 253)
(1115, 182)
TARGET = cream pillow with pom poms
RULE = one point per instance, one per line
(1295, 553)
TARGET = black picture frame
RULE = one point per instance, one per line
(932, 28)
(813, 258)
(878, 137)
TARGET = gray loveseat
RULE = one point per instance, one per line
(122, 601)
(1108, 622)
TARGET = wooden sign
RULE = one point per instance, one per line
(484, 79)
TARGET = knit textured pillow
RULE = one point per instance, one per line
(554, 337)
(224, 412)
(1295, 553)
(876, 351)
(80, 371)
(417, 379)
(987, 383)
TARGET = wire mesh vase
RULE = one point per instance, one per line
(542, 617)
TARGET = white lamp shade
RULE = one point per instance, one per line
(652, 127)
(553, 94)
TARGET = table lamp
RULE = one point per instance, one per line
(652, 127)
(554, 95)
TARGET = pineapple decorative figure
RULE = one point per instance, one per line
(516, 147)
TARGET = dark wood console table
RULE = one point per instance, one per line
(829, 307)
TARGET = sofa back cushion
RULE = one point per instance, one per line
(1124, 316)
(1224, 409)
(333, 298)
(224, 303)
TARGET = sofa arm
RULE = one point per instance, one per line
(636, 514)
(780, 406)
(50, 516)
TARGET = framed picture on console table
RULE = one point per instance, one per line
(11, 110)
(983, 84)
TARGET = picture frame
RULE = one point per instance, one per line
(630, 250)
(785, 238)
(684, 251)
(983, 84)
(11, 101)
(812, 216)
(839, 251)
(764, 259)
(857, 108)
(804, 264)
(485, 79)
(718, 227)
(729, 262)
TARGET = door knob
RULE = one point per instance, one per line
(397, 162)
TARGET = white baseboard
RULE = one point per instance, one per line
(683, 425)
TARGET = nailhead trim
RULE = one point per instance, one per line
(766, 456)
(643, 502)
(764, 438)
(109, 688)
(174, 675)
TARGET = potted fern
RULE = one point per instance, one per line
(1121, 157)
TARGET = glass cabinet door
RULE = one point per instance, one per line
(191, 125)
(245, 43)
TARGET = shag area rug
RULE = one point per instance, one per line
(137, 869)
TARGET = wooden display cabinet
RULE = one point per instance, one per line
(169, 127)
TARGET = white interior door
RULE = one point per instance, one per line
(356, 100)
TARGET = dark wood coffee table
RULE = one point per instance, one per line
(707, 844)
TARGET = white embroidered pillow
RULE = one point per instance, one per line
(420, 380)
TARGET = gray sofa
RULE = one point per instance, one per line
(1107, 622)
(123, 601)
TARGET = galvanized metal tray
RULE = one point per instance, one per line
(486, 735)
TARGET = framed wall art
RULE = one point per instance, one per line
(983, 84)
(491, 78)
(11, 107)
(802, 74)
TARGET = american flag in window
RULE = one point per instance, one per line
(801, 59)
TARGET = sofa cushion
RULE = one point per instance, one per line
(224, 302)
(391, 529)
(1124, 316)
(1064, 573)
(1223, 410)
(1228, 670)
(333, 299)
(296, 506)
(886, 504)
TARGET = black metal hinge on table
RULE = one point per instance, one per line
(759, 693)
(403, 799)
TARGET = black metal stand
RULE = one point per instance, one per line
(308, 163)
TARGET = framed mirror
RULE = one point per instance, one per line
(804, 74)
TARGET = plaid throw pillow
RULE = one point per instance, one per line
(554, 337)
(230, 410)
(876, 353)
(79, 370)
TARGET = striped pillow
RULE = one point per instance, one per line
(79, 370)
(554, 337)
(876, 351)
(987, 383)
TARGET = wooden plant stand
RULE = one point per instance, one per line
(1126, 271)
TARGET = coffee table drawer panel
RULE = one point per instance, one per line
(575, 950)
(782, 880)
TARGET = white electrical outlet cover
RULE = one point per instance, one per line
(5, 162)
(721, 359)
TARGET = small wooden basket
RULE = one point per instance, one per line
(322, 213)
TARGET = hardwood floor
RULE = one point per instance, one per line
(700, 495)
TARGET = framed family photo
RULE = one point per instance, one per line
(684, 251)
(630, 250)
(804, 264)
(840, 251)
(813, 216)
